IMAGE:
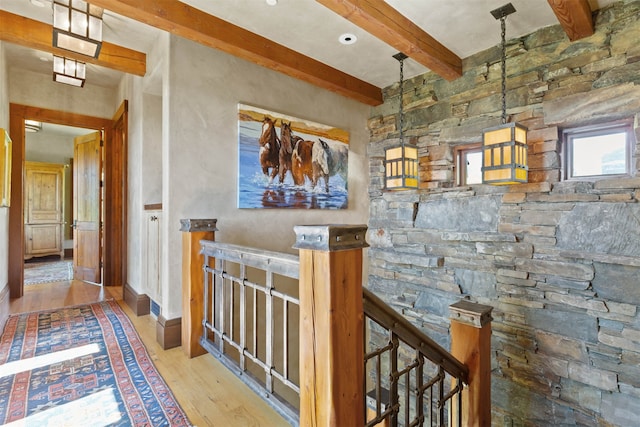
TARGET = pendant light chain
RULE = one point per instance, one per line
(401, 101)
(503, 64)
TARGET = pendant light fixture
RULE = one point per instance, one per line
(68, 71)
(401, 162)
(77, 26)
(32, 126)
(504, 147)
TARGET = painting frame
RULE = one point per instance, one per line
(5, 168)
(287, 162)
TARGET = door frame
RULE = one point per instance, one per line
(114, 234)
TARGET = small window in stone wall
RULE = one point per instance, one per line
(597, 152)
(468, 164)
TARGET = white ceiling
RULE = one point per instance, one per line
(464, 26)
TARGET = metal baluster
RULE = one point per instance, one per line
(206, 298)
(232, 306)
(222, 305)
(419, 388)
(269, 332)
(459, 383)
(393, 384)
(243, 320)
(442, 375)
(285, 333)
(407, 399)
(255, 322)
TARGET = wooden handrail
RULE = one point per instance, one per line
(379, 311)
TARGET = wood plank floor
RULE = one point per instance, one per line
(208, 392)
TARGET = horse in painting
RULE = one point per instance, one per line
(301, 161)
(298, 155)
(286, 149)
(328, 159)
(269, 153)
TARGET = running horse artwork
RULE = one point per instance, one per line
(269, 149)
(299, 152)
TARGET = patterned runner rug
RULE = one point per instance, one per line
(45, 272)
(81, 366)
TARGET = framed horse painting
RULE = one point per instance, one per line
(288, 162)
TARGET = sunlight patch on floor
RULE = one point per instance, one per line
(17, 366)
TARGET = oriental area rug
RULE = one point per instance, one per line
(45, 272)
(81, 366)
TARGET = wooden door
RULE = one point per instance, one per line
(87, 215)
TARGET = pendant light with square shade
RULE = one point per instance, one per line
(504, 147)
(401, 162)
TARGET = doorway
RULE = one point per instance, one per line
(113, 187)
(49, 202)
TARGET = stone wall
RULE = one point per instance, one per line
(559, 260)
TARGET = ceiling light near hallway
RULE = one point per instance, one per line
(68, 71)
(77, 26)
(272, 2)
(32, 126)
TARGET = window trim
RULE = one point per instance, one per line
(568, 135)
(459, 153)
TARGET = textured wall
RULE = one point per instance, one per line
(200, 152)
(31, 88)
(559, 261)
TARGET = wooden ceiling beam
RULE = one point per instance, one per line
(384, 22)
(33, 34)
(575, 16)
(188, 22)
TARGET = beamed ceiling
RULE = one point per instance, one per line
(299, 37)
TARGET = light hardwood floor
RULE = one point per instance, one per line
(208, 393)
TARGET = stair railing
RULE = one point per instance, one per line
(249, 301)
(421, 378)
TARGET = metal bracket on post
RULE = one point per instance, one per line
(470, 313)
(191, 225)
(330, 237)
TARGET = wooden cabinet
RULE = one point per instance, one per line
(43, 209)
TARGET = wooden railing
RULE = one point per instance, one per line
(251, 302)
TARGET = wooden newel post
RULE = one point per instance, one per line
(331, 325)
(193, 231)
(471, 345)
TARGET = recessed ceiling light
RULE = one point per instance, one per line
(272, 2)
(348, 38)
(39, 3)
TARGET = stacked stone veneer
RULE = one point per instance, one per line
(559, 260)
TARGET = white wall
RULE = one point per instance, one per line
(200, 152)
(4, 212)
(48, 147)
(151, 167)
(143, 145)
